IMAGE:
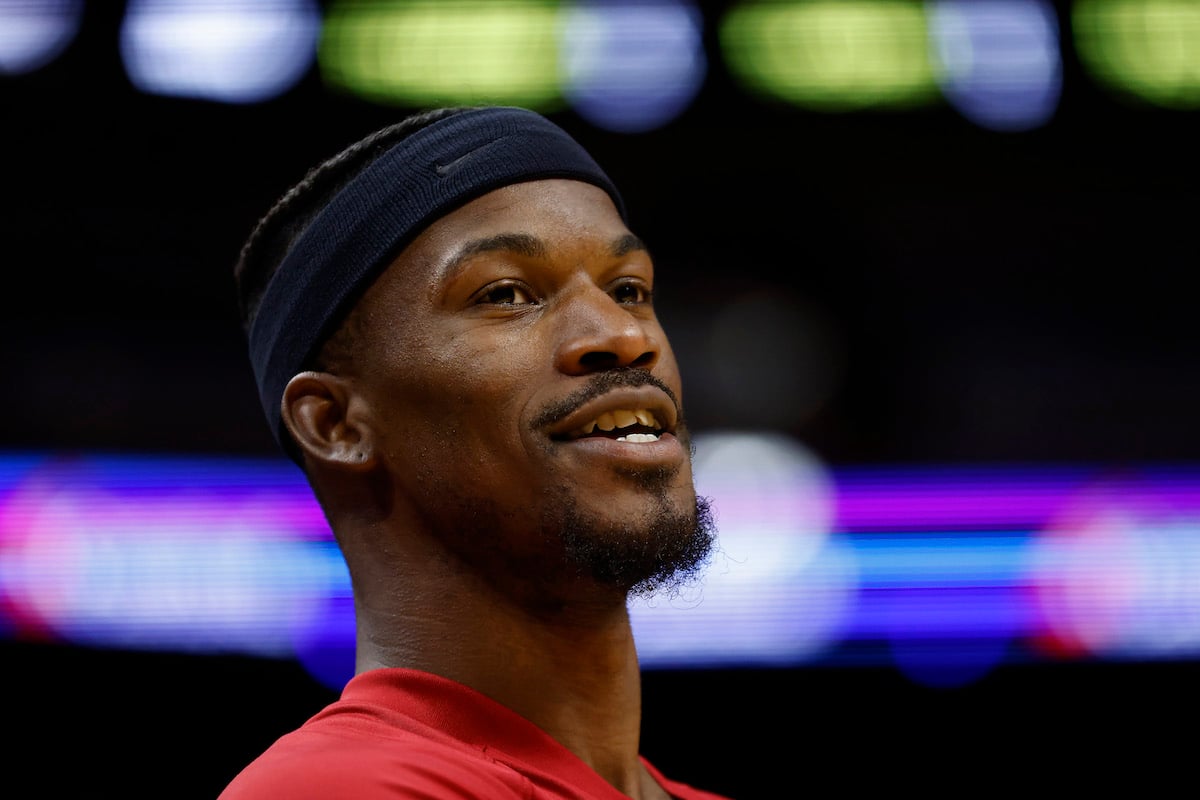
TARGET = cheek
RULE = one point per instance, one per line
(487, 374)
(470, 394)
(668, 368)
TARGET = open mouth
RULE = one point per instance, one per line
(622, 425)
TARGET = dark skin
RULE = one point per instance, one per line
(449, 457)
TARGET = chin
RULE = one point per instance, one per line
(663, 544)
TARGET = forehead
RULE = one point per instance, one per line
(560, 217)
(565, 221)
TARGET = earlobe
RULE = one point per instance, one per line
(321, 413)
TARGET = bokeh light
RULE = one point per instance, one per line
(831, 55)
(632, 66)
(231, 51)
(781, 588)
(1118, 575)
(1000, 62)
(943, 572)
(32, 35)
(105, 552)
(418, 52)
(1144, 49)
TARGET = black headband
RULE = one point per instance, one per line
(364, 227)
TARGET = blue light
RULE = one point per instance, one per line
(816, 565)
(632, 66)
(1000, 59)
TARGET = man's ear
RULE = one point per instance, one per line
(324, 415)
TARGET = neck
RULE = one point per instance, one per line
(573, 672)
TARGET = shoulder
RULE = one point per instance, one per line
(316, 766)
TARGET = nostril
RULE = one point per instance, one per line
(603, 359)
(598, 359)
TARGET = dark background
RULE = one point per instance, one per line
(990, 297)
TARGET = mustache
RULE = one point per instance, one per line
(599, 384)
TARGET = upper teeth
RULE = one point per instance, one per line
(621, 418)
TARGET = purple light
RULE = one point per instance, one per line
(947, 569)
(995, 498)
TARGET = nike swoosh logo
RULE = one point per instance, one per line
(450, 166)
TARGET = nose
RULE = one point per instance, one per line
(600, 334)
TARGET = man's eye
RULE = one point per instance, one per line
(506, 294)
(630, 292)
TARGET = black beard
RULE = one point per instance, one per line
(547, 566)
(661, 554)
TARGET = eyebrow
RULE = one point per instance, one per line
(627, 244)
(525, 244)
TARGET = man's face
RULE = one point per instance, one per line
(525, 398)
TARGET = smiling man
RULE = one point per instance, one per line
(453, 335)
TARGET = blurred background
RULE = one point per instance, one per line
(924, 267)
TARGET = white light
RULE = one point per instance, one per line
(220, 50)
(780, 589)
(32, 34)
(173, 572)
(1122, 584)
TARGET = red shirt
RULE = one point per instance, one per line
(401, 733)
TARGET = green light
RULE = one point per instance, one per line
(831, 55)
(1146, 48)
(423, 52)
